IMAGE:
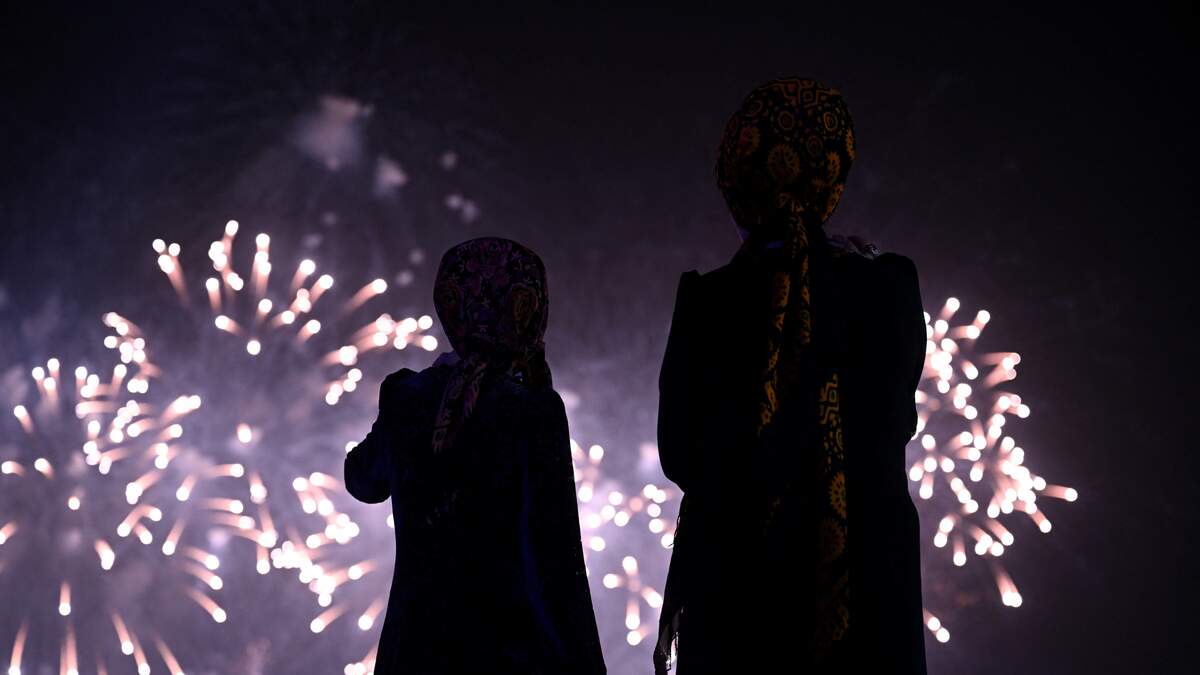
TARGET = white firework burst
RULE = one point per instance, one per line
(624, 531)
(967, 471)
(267, 364)
(98, 519)
(329, 561)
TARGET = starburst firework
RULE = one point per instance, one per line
(116, 536)
(267, 366)
(968, 473)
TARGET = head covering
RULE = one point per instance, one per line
(490, 296)
(785, 157)
(783, 162)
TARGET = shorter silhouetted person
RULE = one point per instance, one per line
(786, 402)
(474, 454)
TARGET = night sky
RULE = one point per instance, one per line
(1041, 166)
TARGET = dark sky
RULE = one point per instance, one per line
(1042, 165)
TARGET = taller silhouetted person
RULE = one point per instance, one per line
(786, 402)
(474, 454)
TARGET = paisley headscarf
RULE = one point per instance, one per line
(783, 164)
(490, 296)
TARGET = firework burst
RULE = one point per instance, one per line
(331, 564)
(968, 473)
(625, 529)
(268, 366)
(116, 538)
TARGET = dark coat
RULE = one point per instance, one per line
(489, 573)
(747, 598)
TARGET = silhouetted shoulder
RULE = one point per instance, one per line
(399, 377)
(893, 267)
(698, 289)
(510, 404)
(715, 277)
(878, 274)
(399, 387)
(893, 281)
(543, 402)
(407, 393)
(689, 282)
(397, 381)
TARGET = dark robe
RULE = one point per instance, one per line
(748, 597)
(489, 574)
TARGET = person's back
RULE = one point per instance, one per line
(709, 390)
(786, 400)
(489, 573)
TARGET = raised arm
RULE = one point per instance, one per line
(676, 427)
(368, 467)
(551, 541)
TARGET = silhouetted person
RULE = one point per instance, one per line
(474, 453)
(786, 401)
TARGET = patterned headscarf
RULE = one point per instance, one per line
(783, 164)
(490, 295)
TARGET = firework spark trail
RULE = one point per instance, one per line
(98, 461)
(264, 318)
(619, 521)
(966, 469)
(275, 356)
(345, 581)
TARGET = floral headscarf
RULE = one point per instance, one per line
(490, 296)
(784, 160)
(785, 157)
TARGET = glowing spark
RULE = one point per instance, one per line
(276, 358)
(965, 466)
(82, 442)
